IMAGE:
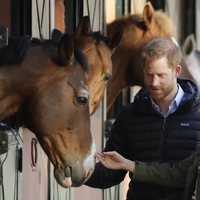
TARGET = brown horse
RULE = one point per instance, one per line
(98, 55)
(138, 29)
(47, 84)
(98, 51)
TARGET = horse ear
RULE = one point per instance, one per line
(56, 35)
(113, 41)
(84, 27)
(66, 50)
(148, 14)
(189, 45)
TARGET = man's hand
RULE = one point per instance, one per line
(114, 160)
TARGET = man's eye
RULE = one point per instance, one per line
(162, 75)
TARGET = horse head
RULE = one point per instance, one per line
(49, 87)
(191, 60)
(137, 30)
(98, 52)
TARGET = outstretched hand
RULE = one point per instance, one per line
(114, 160)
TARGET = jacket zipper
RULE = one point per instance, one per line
(163, 141)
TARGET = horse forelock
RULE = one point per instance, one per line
(81, 58)
(90, 43)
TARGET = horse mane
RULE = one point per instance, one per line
(98, 36)
(160, 17)
(15, 51)
(165, 22)
(82, 59)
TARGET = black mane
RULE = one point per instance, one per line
(15, 51)
(98, 36)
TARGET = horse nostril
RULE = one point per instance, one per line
(68, 171)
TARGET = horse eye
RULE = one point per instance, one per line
(82, 100)
(107, 77)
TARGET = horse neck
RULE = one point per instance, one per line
(10, 99)
(14, 78)
(16, 85)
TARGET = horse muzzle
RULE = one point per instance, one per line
(76, 170)
(72, 177)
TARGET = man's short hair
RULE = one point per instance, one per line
(159, 48)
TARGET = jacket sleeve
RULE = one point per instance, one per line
(164, 174)
(103, 177)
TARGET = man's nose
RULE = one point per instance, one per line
(155, 81)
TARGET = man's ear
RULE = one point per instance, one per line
(178, 70)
